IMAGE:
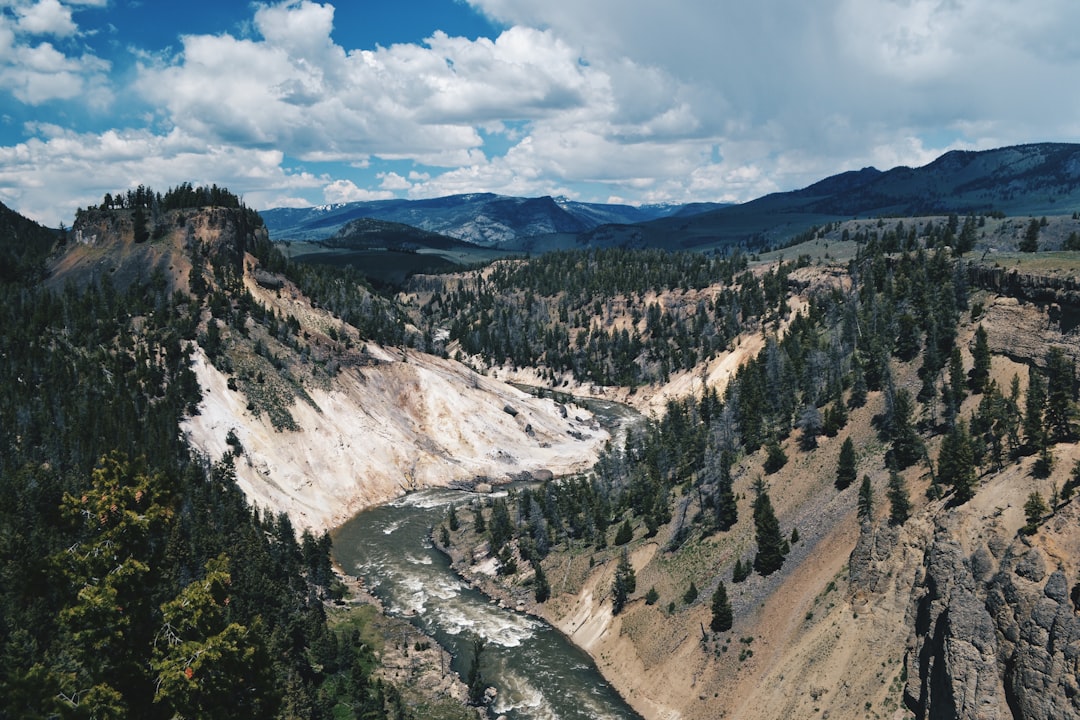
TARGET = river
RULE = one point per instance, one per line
(537, 672)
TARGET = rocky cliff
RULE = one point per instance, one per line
(992, 612)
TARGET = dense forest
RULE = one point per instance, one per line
(137, 581)
(566, 312)
(900, 312)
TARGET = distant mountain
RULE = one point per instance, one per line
(370, 234)
(484, 219)
(1023, 180)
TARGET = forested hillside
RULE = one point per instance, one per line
(879, 486)
(137, 580)
(894, 399)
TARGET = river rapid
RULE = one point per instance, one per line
(536, 671)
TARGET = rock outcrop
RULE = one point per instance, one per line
(994, 631)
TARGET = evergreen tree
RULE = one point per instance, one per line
(625, 533)
(1035, 436)
(899, 500)
(476, 682)
(624, 585)
(906, 445)
(846, 471)
(810, 423)
(770, 541)
(741, 571)
(1030, 242)
(866, 500)
(1061, 411)
(542, 589)
(691, 593)
(956, 462)
(452, 518)
(727, 511)
(1034, 510)
(980, 372)
(775, 457)
(721, 610)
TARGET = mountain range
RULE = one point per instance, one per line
(1035, 179)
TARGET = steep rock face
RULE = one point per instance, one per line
(995, 633)
(1040, 636)
(1030, 313)
(952, 660)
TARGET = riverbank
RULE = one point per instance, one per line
(585, 570)
(410, 660)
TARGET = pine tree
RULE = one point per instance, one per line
(475, 678)
(452, 518)
(899, 500)
(542, 588)
(624, 585)
(741, 571)
(1034, 509)
(906, 444)
(1030, 242)
(846, 471)
(727, 511)
(770, 541)
(1035, 437)
(866, 500)
(956, 462)
(775, 457)
(1061, 412)
(721, 610)
(625, 533)
(980, 371)
(691, 593)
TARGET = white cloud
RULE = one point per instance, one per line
(46, 17)
(820, 87)
(346, 191)
(683, 100)
(56, 171)
(295, 89)
(37, 72)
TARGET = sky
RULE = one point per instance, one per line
(300, 103)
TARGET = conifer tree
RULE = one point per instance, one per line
(741, 571)
(866, 500)
(541, 587)
(845, 467)
(624, 585)
(775, 457)
(770, 541)
(727, 511)
(980, 371)
(899, 500)
(906, 444)
(956, 462)
(1061, 411)
(1035, 436)
(1034, 509)
(721, 610)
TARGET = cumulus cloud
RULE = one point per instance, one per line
(680, 101)
(36, 71)
(295, 89)
(80, 168)
(46, 17)
(818, 87)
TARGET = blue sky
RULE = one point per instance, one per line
(302, 103)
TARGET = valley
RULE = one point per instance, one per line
(842, 482)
